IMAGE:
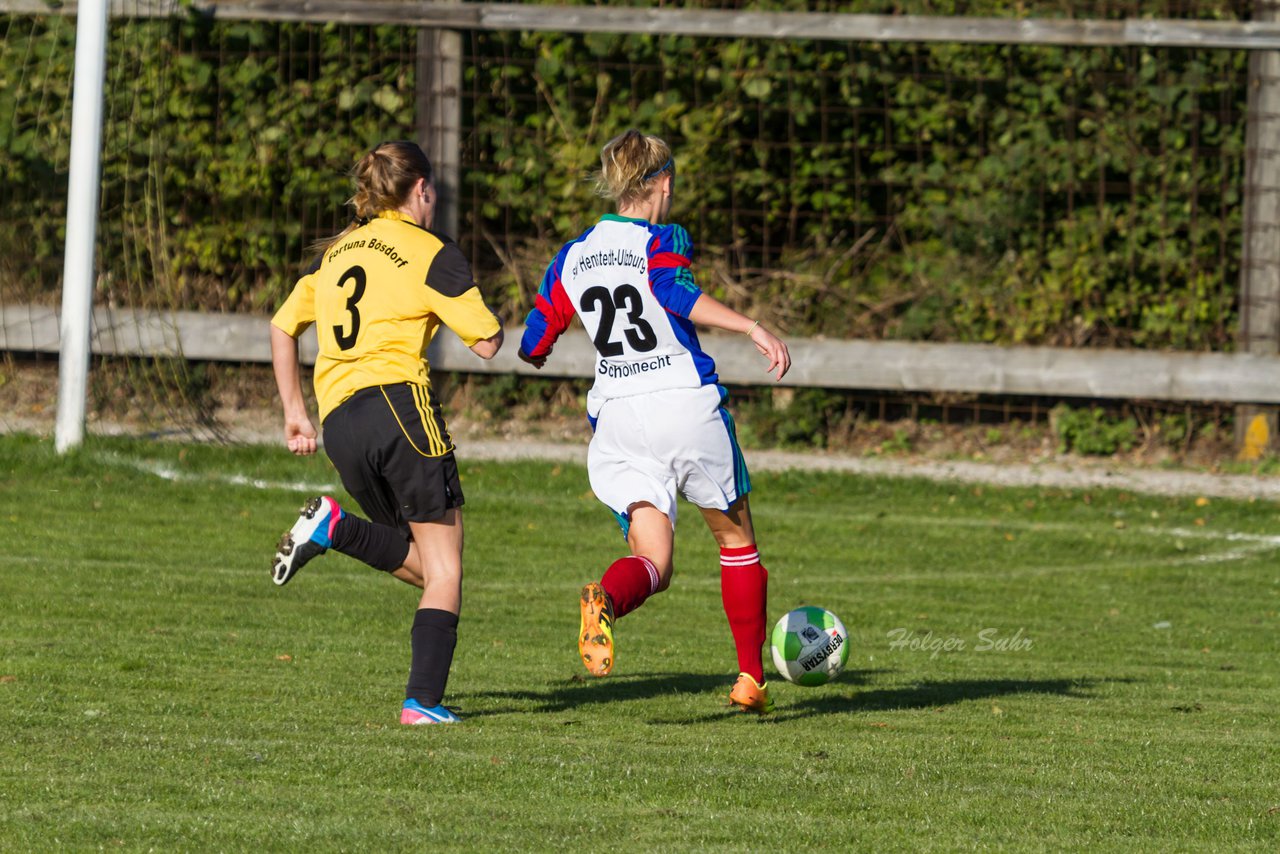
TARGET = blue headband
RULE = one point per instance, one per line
(670, 164)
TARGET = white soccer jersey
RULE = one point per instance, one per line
(629, 282)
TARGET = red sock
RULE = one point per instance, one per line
(744, 584)
(629, 581)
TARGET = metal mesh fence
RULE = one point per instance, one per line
(1052, 195)
(942, 192)
(225, 151)
(1084, 9)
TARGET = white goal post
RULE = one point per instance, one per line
(82, 222)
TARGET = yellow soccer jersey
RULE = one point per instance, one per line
(377, 296)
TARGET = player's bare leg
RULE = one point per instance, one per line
(437, 546)
(626, 584)
(411, 572)
(651, 536)
(743, 591)
(732, 528)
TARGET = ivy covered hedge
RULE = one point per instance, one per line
(943, 192)
(1080, 196)
(225, 150)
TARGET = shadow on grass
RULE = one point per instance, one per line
(927, 695)
(842, 697)
(584, 691)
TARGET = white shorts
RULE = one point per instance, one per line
(648, 447)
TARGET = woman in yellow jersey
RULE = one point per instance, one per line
(377, 294)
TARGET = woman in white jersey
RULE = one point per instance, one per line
(656, 405)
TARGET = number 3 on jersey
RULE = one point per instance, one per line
(355, 274)
(639, 333)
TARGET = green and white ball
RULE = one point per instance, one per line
(810, 646)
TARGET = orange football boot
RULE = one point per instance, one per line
(595, 637)
(750, 696)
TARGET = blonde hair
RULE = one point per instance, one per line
(384, 178)
(629, 164)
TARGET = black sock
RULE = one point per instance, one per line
(434, 635)
(380, 546)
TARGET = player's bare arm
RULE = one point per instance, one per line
(487, 348)
(709, 311)
(299, 432)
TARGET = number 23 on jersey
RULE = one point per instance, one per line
(635, 330)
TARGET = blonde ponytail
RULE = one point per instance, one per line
(629, 164)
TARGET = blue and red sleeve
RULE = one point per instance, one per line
(670, 255)
(552, 311)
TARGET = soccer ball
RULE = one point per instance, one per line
(810, 646)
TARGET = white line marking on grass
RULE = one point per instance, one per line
(32, 559)
(1163, 563)
(165, 472)
(1265, 540)
(1005, 572)
(1081, 474)
(1252, 545)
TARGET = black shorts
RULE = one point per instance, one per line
(394, 454)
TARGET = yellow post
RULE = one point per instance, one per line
(1257, 437)
(1260, 262)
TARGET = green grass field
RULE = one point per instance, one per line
(1111, 679)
